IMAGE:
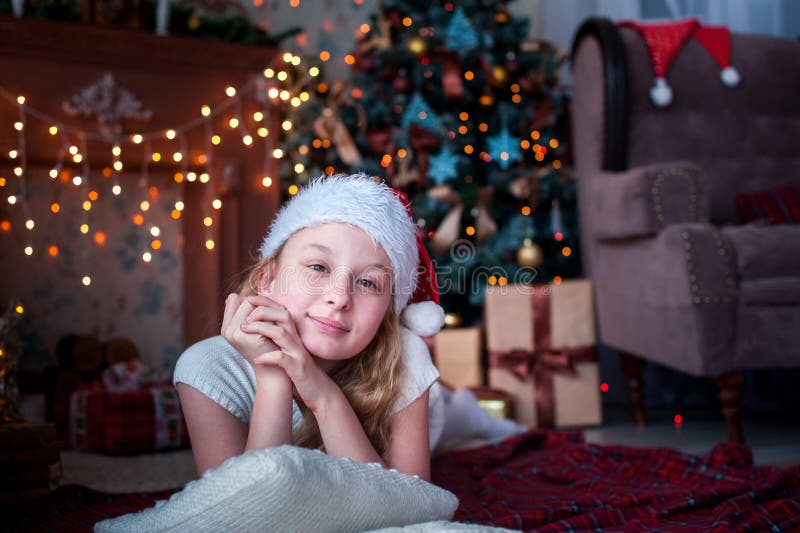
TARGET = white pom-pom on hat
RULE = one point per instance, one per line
(423, 318)
(661, 93)
(730, 76)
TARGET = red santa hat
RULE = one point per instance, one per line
(665, 40)
(382, 213)
(717, 40)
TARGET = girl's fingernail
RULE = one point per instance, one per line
(245, 325)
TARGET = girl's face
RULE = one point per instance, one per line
(337, 286)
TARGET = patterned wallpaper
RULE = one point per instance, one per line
(127, 296)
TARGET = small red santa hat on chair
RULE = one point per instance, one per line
(717, 40)
(665, 40)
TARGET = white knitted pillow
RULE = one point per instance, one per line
(289, 488)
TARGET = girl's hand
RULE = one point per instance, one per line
(250, 344)
(272, 320)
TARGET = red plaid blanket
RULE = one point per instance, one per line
(550, 481)
(553, 481)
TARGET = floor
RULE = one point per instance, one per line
(773, 441)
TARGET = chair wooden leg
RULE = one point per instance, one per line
(633, 369)
(730, 395)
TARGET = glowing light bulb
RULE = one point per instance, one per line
(269, 73)
(18, 171)
(86, 281)
(179, 205)
(233, 123)
(116, 150)
(18, 126)
(84, 228)
(277, 153)
(230, 91)
(116, 190)
(117, 166)
(77, 180)
(177, 156)
(247, 140)
(155, 231)
(263, 132)
(29, 250)
(205, 110)
(20, 100)
(146, 257)
(53, 130)
(12, 199)
(136, 138)
(216, 203)
(258, 116)
(266, 181)
(216, 139)
(210, 244)
(12, 154)
(204, 177)
(30, 224)
(208, 222)
(144, 205)
(170, 134)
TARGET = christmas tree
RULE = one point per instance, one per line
(451, 103)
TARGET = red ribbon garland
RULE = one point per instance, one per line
(544, 361)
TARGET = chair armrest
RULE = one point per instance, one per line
(640, 202)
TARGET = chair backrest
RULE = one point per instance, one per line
(745, 138)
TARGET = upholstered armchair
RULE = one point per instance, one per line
(679, 279)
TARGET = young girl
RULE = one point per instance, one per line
(323, 348)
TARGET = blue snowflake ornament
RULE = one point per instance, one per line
(419, 112)
(503, 149)
(460, 35)
(443, 166)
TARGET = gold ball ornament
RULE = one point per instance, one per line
(529, 254)
(194, 22)
(417, 45)
(500, 73)
(452, 320)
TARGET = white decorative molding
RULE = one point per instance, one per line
(110, 103)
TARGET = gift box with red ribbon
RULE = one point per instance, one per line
(542, 350)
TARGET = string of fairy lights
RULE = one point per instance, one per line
(283, 83)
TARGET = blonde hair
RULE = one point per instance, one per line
(370, 380)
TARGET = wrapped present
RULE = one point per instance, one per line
(542, 350)
(497, 403)
(457, 353)
(127, 422)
